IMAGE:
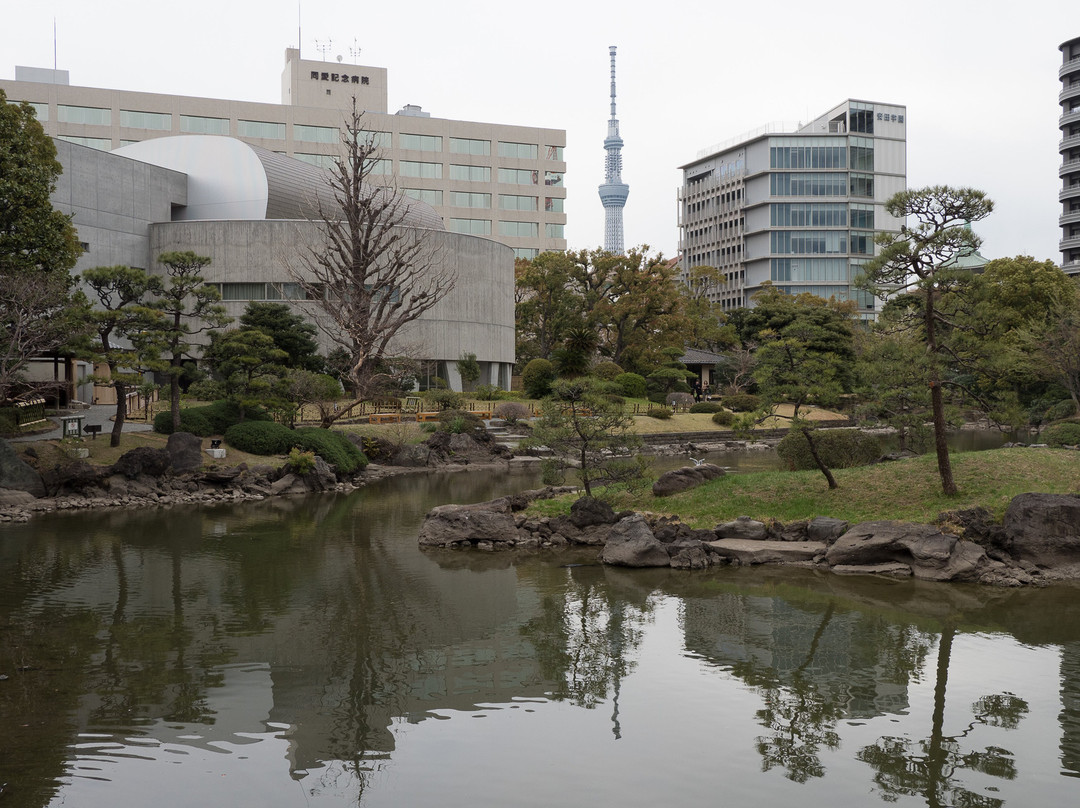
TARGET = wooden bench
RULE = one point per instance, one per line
(385, 418)
(428, 416)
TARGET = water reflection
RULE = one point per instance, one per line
(303, 651)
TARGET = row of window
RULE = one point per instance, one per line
(469, 199)
(482, 227)
(821, 214)
(810, 242)
(820, 184)
(466, 173)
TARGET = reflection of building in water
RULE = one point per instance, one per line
(1070, 708)
(853, 660)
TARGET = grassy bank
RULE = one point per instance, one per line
(907, 490)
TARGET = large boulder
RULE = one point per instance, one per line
(185, 451)
(825, 528)
(743, 527)
(676, 480)
(931, 554)
(631, 543)
(143, 460)
(1044, 528)
(591, 511)
(757, 551)
(457, 525)
(18, 475)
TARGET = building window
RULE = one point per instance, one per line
(96, 116)
(516, 202)
(810, 270)
(198, 125)
(41, 111)
(161, 121)
(464, 145)
(242, 291)
(553, 204)
(316, 134)
(816, 184)
(519, 176)
(862, 185)
(554, 178)
(808, 214)
(862, 153)
(424, 195)
(373, 141)
(320, 160)
(124, 142)
(427, 171)
(554, 230)
(382, 166)
(473, 227)
(555, 153)
(465, 199)
(519, 229)
(470, 173)
(862, 242)
(525, 151)
(260, 129)
(786, 242)
(861, 118)
(99, 143)
(528, 253)
(807, 157)
(431, 143)
(862, 216)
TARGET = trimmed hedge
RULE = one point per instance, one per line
(537, 377)
(1066, 408)
(608, 371)
(741, 402)
(706, 406)
(633, 385)
(1062, 434)
(260, 437)
(723, 418)
(210, 419)
(192, 419)
(333, 447)
(838, 449)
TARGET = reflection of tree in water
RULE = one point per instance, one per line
(930, 767)
(583, 636)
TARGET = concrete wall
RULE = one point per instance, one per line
(477, 316)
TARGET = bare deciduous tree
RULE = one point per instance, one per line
(368, 270)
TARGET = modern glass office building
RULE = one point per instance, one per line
(798, 206)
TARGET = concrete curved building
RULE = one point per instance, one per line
(248, 210)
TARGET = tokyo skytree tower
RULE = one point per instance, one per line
(614, 191)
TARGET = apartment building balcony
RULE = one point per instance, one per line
(1071, 66)
(1069, 142)
(1069, 118)
(1072, 217)
(1072, 91)
(1070, 243)
(1069, 166)
(1072, 192)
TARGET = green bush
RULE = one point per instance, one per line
(207, 390)
(192, 419)
(1062, 434)
(741, 402)
(460, 421)
(537, 378)
(261, 437)
(838, 449)
(488, 392)
(1066, 408)
(333, 447)
(608, 371)
(301, 462)
(723, 418)
(706, 406)
(633, 385)
(660, 413)
(446, 399)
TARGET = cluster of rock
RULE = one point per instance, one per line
(1039, 539)
(147, 476)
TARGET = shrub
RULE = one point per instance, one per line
(1062, 434)
(301, 462)
(260, 437)
(192, 419)
(9, 421)
(741, 402)
(680, 401)
(723, 418)
(207, 390)
(488, 392)
(838, 449)
(633, 385)
(706, 406)
(333, 447)
(1066, 408)
(660, 413)
(537, 378)
(608, 371)
(446, 399)
(459, 421)
(511, 411)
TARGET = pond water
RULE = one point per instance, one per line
(305, 652)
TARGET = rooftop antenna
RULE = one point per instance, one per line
(299, 28)
(354, 51)
(54, 47)
(324, 46)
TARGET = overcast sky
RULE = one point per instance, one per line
(979, 79)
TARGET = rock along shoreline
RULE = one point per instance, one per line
(1037, 543)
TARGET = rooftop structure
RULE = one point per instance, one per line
(614, 191)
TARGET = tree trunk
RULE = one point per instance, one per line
(174, 394)
(817, 458)
(948, 485)
(121, 414)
